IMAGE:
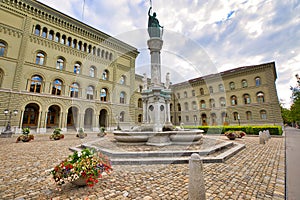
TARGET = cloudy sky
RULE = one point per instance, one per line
(203, 37)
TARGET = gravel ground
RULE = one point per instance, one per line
(257, 172)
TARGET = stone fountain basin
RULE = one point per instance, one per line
(174, 137)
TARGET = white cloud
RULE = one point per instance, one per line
(230, 33)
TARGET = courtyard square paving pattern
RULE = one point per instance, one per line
(256, 172)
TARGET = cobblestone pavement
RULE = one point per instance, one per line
(257, 172)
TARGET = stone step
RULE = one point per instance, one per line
(139, 158)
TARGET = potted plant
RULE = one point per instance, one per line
(102, 132)
(25, 136)
(231, 135)
(82, 168)
(240, 134)
(57, 135)
(81, 133)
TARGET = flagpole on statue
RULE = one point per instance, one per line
(82, 18)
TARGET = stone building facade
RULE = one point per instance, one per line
(56, 71)
(59, 72)
(244, 95)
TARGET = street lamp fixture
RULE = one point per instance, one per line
(8, 132)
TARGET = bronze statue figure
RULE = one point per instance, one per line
(153, 25)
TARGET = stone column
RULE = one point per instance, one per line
(145, 112)
(155, 45)
(196, 180)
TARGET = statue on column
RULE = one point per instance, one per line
(153, 25)
(167, 80)
(145, 83)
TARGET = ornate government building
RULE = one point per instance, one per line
(56, 71)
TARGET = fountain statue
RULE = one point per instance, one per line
(156, 128)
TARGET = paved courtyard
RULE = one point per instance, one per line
(256, 172)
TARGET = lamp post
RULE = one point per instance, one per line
(8, 132)
(239, 118)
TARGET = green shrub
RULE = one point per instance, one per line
(249, 130)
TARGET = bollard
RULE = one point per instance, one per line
(196, 180)
(261, 138)
(268, 134)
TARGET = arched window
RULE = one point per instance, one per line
(222, 102)
(247, 99)
(110, 56)
(221, 88)
(257, 81)
(233, 100)
(57, 37)
(94, 51)
(244, 83)
(185, 94)
(187, 118)
(51, 35)
(122, 97)
(140, 118)
(202, 104)
(98, 52)
(74, 43)
(77, 67)
(193, 93)
(248, 115)
(260, 97)
(44, 33)
(102, 53)
(106, 55)
(122, 80)
(263, 114)
(212, 103)
(194, 105)
(69, 41)
(92, 71)
(36, 84)
(122, 116)
(213, 117)
(236, 116)
(57, 87)
(74, 90)
(232, 85)
(201, 91)
(140, 103)
(105, 75)
(89, 50)
(179, 107)
(63, 39)
(186, 106)
(3, 47)
(40, 58)
(103, 94)
(60, 63)
(90, 92)
(211, 89)
(79, 47)
(171, 107)
(178, 95)
(84, 47)
(37, 30)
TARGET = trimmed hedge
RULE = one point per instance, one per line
(251, 130)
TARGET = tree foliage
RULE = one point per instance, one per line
(295, 107)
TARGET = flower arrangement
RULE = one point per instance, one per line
(57, 135)
(234, 134)
(102, 132)
(240, 134)
(231, 135)
(88, 165)
(81, 133)
(25, 137)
